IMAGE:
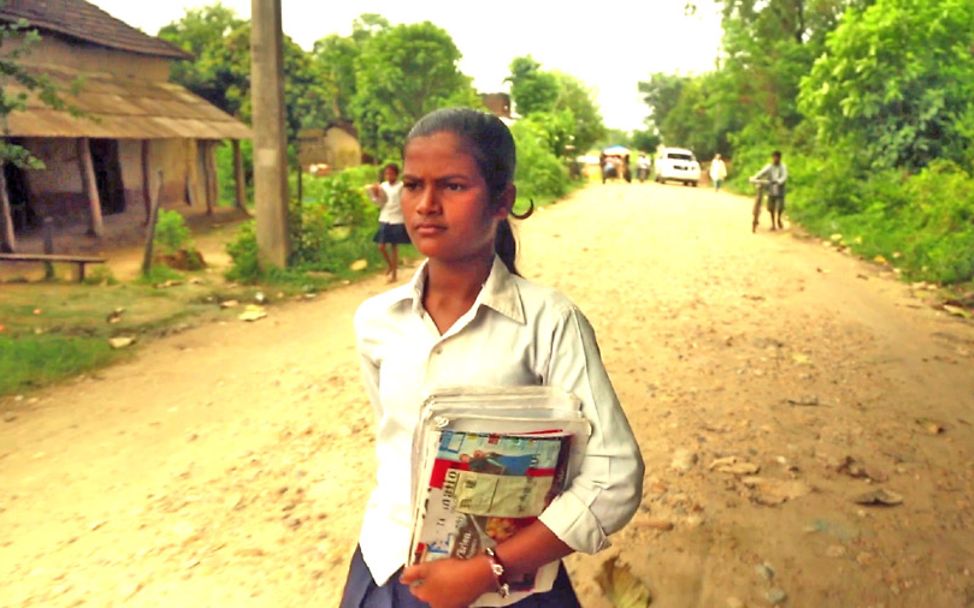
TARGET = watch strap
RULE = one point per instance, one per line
(499, 571)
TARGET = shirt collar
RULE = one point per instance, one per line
(499, 293)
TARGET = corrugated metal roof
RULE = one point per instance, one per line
(124, 108)
(85, 21)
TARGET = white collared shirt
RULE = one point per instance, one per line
(516, 333)
(391, 211)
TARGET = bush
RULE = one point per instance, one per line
(172, 234)
(243, 251)
(923, 222)
(332, 228)
(540, 174)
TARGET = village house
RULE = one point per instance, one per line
(498, 104)
(335, 147)
(103, 166)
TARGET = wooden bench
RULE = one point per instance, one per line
(80, 260)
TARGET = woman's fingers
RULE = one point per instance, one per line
(413, 574)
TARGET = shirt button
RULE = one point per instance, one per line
(438, 351)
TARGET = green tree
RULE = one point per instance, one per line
(898, 79)
(334, 58)
(216, 74)
(555, 130)
(220, 41)
(575, 97)
(403, 73)
(647, 139)
(661, 93)
(532, 89)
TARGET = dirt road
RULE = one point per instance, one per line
(227, 466)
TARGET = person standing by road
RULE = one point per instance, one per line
(718, 172)
(392, 228)
(468, 318)
(772, 177)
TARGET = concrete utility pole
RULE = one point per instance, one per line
(270, 139)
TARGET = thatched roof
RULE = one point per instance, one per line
(85, 21)
(123, 108)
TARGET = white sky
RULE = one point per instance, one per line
(610, 51)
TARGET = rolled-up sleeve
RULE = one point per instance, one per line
(608, 489)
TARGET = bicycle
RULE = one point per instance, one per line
(762, 186)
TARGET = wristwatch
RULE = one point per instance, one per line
(497, 569)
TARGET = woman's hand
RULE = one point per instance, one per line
(450, 583)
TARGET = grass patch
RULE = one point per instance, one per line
(50, 331)
(30, 361)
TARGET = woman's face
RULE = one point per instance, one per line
(448, 211)
(391, 175)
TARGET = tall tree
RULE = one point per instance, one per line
(221, 73)
(532, 89)
(661, 93)
(216, 73)
(335, 56)
(403, 73)
(575, 97)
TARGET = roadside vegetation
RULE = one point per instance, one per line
(56, 329)
(872, 103)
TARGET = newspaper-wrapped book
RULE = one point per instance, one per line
(487, 462)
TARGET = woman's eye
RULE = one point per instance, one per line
(410, 185)
(455, 187)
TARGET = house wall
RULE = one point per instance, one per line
(341, 149)
(58, 190)
(55, 51)
(335, 146)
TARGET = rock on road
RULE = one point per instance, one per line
(771, 381)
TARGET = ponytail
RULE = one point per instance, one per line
(505, 243)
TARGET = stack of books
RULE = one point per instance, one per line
(486, 463)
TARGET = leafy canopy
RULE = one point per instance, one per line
(898, 78)
(403, 73)
(220, 41)
(556, 99)
(532, 89)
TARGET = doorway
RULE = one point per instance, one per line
(21, 212)
(108, 175)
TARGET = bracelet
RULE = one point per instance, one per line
(497, 569)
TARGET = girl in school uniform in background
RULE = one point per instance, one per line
(469, 318)
(392, 232)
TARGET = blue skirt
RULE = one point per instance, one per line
(391, 234)
(362, 592)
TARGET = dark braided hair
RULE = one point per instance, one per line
(491, 144)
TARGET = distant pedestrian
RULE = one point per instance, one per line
(392, 228)
(642, 167)
(718, 171)
(772, 177)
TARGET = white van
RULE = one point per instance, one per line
(678, 165)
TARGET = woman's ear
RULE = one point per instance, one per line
(505, 202)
